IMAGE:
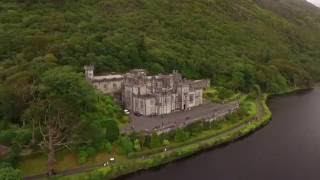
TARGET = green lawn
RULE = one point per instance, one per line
(213, 94)
(36, 164)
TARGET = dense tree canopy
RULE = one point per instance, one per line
(58, 106)
(235, 43)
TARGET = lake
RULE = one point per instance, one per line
(287, 148)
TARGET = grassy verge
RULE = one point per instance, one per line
(220, 95)
(37, 163)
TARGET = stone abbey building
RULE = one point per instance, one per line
(150, 95)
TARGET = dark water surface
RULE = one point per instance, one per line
(287, 149)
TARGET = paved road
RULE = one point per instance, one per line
(179, 119)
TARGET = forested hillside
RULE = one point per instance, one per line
(238, 44)
(294, 10)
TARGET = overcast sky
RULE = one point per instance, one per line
(316, 2)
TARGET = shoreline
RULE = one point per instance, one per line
(156, 160)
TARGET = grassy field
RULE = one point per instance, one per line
(220, 95)
(37, 164)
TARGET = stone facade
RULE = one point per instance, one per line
(150, 95)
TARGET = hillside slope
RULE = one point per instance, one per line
(298, 12)
(236, 43)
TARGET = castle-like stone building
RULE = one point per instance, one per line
(150, 95)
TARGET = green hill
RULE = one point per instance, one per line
(295, 10)
(236, 43)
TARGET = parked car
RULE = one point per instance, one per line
(137, 114)
(126, 111)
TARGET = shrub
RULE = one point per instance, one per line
(91, 151)
(195, 128)
(224, 93)
(181, 136)
(137, 146)
(7, 137)
(112, 130)
(155, 141)
(108, 147)
(126, 145)
(147, 141)
(166, 142)
(23, 137)
(85, 153)
(15, 136)
(9, 173)
(82, 157)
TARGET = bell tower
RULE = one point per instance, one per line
(89, 71)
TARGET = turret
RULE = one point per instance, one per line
(89, 69)
(177, 76)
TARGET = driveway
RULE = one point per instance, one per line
(180, 118)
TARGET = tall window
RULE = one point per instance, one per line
(136, 104)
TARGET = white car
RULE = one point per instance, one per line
(126, 111)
